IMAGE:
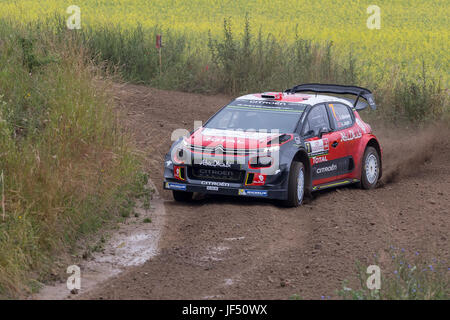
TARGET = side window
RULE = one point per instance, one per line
(341, 115)
(317, 119)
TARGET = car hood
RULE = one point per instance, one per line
(211, 138)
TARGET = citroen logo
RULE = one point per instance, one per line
(218, 149)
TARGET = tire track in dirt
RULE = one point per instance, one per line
(223, 247)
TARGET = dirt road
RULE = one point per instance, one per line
(236, 248)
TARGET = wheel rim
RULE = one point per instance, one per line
(300, 185)
(371, 168)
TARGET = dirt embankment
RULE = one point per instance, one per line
(223, 247)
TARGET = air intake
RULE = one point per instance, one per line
(272, 95)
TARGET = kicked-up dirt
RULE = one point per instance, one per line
(226, 248)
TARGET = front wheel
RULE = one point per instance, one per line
(182, 196)
(296, 187)
(370, 170)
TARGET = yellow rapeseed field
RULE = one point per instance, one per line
(411, 30)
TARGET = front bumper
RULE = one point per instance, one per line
(242, 182)
(245, 191)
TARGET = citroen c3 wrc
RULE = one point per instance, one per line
(279, 145)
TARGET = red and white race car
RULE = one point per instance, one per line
(279, 145)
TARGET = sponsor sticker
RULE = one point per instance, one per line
(258, 180)
(350, 135)
(253, 193)
(215, 163)
(175, 186)
(319, 159)
(212, 188)
(320, 146)
(331, 168)
(214, 183)
(177, 173)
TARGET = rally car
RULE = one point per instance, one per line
(279, 145)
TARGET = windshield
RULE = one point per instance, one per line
(258, 115)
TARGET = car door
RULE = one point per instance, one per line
(343, 123)
(323, 147)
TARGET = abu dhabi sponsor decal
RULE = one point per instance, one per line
(315, 147)
(215, 163)
(253, 193)
(350, 135)
(175, 186)
(319, 159)
(327, 169)
(215, 183)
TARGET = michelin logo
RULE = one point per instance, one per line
(253, 193)
(175, 186)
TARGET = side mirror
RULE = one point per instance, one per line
(322, 131)
(309, 133)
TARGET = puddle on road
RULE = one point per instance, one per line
(234, 239)
(133, 244)
(132, 250)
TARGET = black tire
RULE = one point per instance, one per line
(293, 199)
(182, 196)
(369, 181)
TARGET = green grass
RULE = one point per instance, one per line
(68, 165)
(407, 277)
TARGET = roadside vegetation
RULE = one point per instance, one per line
(249, 60)
(408, 277)
(67, 165)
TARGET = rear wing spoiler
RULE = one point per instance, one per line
(338, 89)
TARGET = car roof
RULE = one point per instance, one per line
(300, 98)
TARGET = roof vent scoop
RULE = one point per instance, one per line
(272, 95)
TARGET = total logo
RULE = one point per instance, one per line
(319, 159)
(331, 168)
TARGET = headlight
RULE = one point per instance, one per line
(178, 153)
(260, 162)
(271, 149)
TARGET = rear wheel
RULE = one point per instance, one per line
(182, 196)
(296, 186)
(370, 170)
